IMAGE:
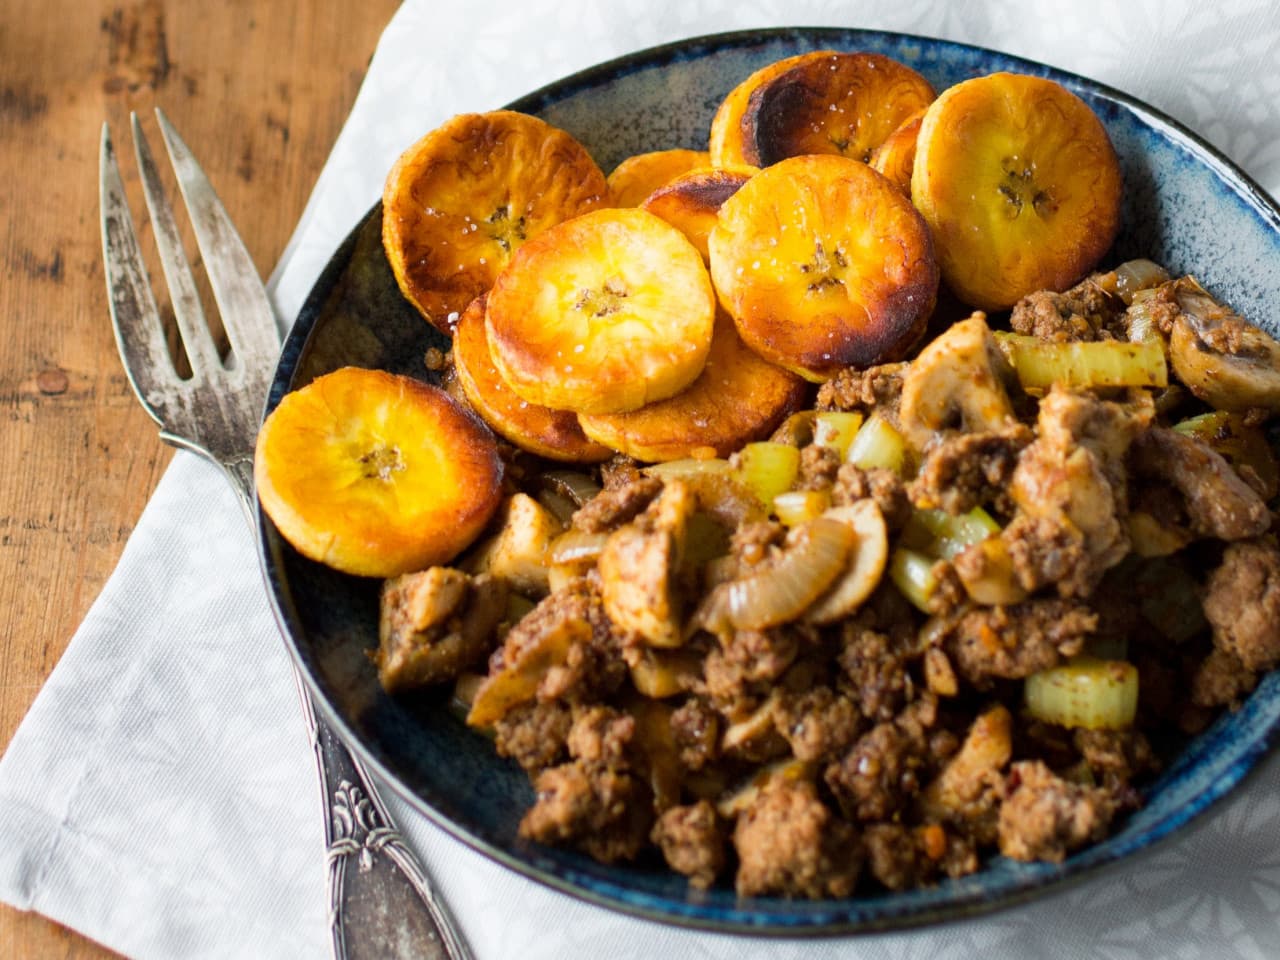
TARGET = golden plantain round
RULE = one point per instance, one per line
(738, 397)
(840, 103)
(461, 201)
(727, 143)
(554, 434)
(823, 264)
(692, 201)
(896, 157)
(602, 314)
(376, 474)
(1019, 182)
(638, 176)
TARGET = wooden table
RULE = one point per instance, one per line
(259, 89)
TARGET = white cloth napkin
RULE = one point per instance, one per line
(160, 797)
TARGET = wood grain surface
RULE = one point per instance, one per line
(259, 89)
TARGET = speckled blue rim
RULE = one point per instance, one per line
(1216, 192)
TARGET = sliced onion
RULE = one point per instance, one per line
(815, 554)
(576, 546)
(1135, 275)
(688, 467)
(578, 487)
(864, 570)
(561, 507)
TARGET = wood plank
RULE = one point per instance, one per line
(259, 89)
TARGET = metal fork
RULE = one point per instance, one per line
(381, 902)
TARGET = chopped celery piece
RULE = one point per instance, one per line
(912, 573)
(768, 469)
(836, 429)
(1086, 692)
(878, 444)
(1040, 364)
(944, 535)
(794, 507)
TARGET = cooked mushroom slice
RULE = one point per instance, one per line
(638, 566)
(866, 565)
(517, 553)
(434, 624)
(1219, 503)
(1224, 360)
(531, 650)
(956, 378)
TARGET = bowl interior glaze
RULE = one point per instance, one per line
(1185, 206)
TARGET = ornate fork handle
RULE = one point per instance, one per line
(376, 888)
(381, 903)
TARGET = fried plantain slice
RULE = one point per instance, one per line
(376, 474)
(691, 202)
(554, 434)
(638, 176)
(602, 314)
(1020, 184)
(738, 397)
(841, 103)
(726, 144)
(897, 155)
(823, 263)
(460, 201)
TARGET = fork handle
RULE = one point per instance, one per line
(381, 901)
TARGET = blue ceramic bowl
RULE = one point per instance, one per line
(1186, 206)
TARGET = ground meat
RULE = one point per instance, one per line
(1218, 502)
(902, 857)
(750, 543)
(617, 505)
(692, 839)
(1161, 305)
(949, 594)
(618, 471)
(895, 857)
(880, 773)
(534, 734)
(968, 470)
(1046, 551)
(818, 724)
(789, 844)
(865, 390)
(1085, 312)
(818, 468)
(876, 669)
(1045, 816)
(573, 617)
(602, 735)
(604, 811)
(695, 727)
(1242, 604)
(1115, 755)
(882, 485)
(1018, 640)
(745, 662)
(1075, 473)
(1221, 680)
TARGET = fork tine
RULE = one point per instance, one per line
(242, 301)
(134, 316)
(196, 337)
